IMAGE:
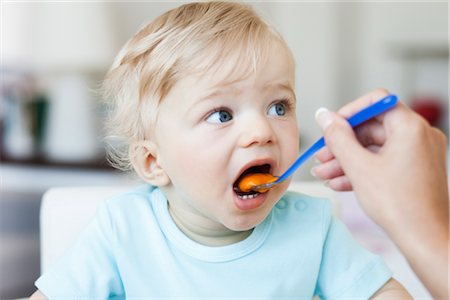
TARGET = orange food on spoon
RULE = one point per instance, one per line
(250, 180)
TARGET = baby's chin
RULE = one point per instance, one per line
(245, 222)
(248, 220)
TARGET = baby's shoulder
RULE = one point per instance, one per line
(129, 203)
(136, 193)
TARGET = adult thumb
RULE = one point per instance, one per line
(342, 142)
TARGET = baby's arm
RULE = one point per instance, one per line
(392, 290)
(38, 296)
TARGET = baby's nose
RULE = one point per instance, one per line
(256, 130)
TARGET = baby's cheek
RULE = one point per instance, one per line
(291, 143)
(189, 165)
(202, 161)
(196, 179)
(194, 167)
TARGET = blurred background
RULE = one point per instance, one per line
(54, 55)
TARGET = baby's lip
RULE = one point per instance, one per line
(256, 162)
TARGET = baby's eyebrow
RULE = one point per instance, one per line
(228, 89)
(217, 92)
(214, 93)
(280, 86)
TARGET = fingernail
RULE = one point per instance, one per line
(313, 172)
(324, 117)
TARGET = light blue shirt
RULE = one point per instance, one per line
(133, 249)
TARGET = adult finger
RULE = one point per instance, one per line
(324, 155)
(342, 142)
(340, 184)
(371, 132)
(328, 170)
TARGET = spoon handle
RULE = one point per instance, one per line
(360, 117)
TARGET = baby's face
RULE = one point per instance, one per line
(208, 135)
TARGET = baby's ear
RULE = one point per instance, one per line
(144, 157)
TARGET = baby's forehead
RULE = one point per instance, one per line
(224, 71)
(202, 88)
(237, 91)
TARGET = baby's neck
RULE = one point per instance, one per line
(206, 235)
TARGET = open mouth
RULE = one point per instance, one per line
(260, 169)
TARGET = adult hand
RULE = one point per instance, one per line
(395, 163)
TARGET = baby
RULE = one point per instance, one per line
(204, 95)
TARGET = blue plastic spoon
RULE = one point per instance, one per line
(360, 117)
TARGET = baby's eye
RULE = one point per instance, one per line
(219, 116)
(278, 109)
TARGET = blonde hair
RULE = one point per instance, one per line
(192, 38)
